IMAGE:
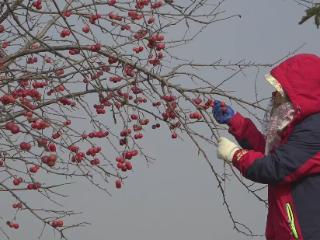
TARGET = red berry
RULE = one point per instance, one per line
(67, 123)
(2, 29)
(118, 183)
(36, 185)
(67, 13)
(151, 20)
(25, 146)
(174, 135)
(60, 223)
(112, 2)
(134, 116)
(57, 223)
(52, 147)
(34, 169)
(16, 181)
(120, 159)
(65, 32)
(56, 135)
(15, 225)
(85, 28)
(128, 165)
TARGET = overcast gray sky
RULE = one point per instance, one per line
(177, 196)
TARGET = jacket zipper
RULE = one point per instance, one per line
(291, 221)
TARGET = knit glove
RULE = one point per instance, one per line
(222, 112)
(226, 149)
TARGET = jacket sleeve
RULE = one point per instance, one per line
(297, 158)
(246, 133)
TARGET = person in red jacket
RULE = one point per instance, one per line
(287, 157)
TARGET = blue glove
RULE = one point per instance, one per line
(222, 112)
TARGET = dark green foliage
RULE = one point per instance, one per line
(312, 12)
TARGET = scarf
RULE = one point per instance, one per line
(275, 123)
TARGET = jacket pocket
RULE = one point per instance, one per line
(292, 225)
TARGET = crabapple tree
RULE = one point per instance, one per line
(82, 82)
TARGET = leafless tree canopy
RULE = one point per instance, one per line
(83, 80)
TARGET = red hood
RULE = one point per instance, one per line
(299, 77)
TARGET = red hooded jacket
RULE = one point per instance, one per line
(292, 170)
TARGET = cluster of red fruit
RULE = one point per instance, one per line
(98, 134)
(2, 29)
(138, 49)
(49, 160)
(140, 34)
(115, 16)
(39, 84)
(37, 4)
(151, 20)
(57, 223)
(5, 44)
(156, 5)
(32, 60)
(93, 151)
(112, 59)
(136, 90)
(65, 32)
(130, 154)
(73, 148)
(67, 13)
(115, 79)
(144, 121)
(99, 108)
(78, 157)
(67, 101)
(156, 104)
(34, 169)
(17, 181)
(137, 127)
(134, 15)
(129, 70)
(154, 126)
(56, 135)
(59, 88)
(95, 47)
(123, 164)
(42, 142)
(7, 99)
(34, 186)
(125, 27)
(11, 126)
(169, 98)
(140, 4)
(22, 93)
(40, 124)
(95, 161)
(96, 75)
(93, 18)
(112, 2)
(24, 146)
(74, 51)
(139, 100)
(125, 132)
(138, 136)
(13, 225)
(195, 115)
(17, 205)
(170, 111)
